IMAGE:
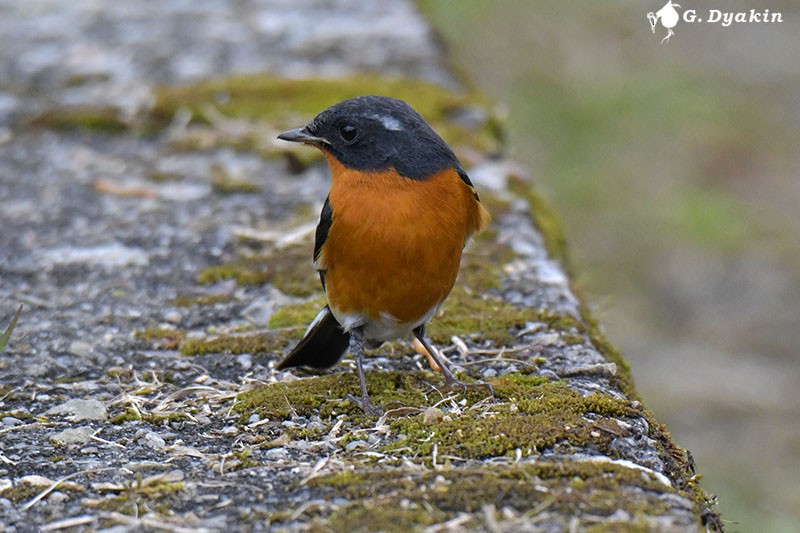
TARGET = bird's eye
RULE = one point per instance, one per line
(348, 133)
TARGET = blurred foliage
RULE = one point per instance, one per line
(662, 160)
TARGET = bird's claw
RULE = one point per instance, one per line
(366, 405)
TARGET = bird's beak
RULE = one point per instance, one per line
(300, 135)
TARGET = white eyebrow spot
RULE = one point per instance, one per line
(390, 123)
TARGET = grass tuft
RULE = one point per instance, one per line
(7, 333)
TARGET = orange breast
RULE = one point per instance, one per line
(394, 246)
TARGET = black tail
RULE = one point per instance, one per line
(322, 346)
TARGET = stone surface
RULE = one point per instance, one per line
(100, 250)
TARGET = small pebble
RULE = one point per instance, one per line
(154, 441)
(173, 317)
(245, 360)
(73, 435)
(11, 421)
(56, 497)
(81, 348)
(81, 409)
(276, 454)
(356, 444)
(316, 425)
(432, 415)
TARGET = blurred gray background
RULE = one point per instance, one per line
(675, 169)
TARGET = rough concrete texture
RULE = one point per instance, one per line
(109, 421)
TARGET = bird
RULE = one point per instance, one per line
(391, 232)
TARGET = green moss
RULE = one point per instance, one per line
(296, 315)
(324, 395)
(465, 314)
(531, 415)
(244, 456)
(286, 103)
(265, 102)
(224, 183)
(482, 262)
(18, 414)
(202, 299)
(293, 272)
(245, 272)
(161, 338)
(262, 343)
(20, 493)
(379, 496)
(289, 269)
(155, 496)
(534, 416)
(383, 514)
(163, 177)
(129, 415)
(103, 119)
(133, 415)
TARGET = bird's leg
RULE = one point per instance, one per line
(450, 380)
(357, 349)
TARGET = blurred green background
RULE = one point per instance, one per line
(675, 169)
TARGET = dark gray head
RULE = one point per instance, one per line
(373, 133)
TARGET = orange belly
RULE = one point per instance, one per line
(394, 247)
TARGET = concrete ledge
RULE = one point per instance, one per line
(160, 241)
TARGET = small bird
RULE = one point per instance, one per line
(389, 240)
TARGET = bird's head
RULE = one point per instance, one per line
(374, 133)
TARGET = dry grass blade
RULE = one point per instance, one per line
(151, 523)
(58, 482)
(7, 333)
(69, 523)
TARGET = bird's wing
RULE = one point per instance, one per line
(325, 221)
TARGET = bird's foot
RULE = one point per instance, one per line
(366, 405)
